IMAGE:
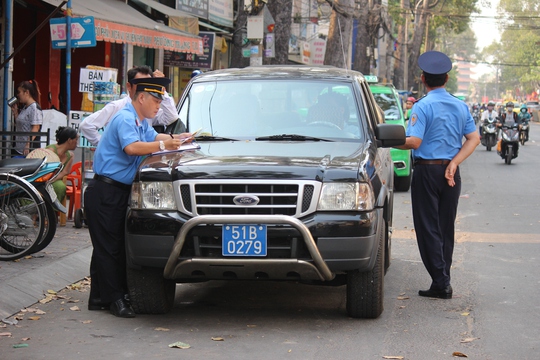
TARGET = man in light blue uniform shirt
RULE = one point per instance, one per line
(127, 137)
(438, 124)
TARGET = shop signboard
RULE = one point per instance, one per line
(221, 12)
(193, 60)
(198, 8)
(82, 32)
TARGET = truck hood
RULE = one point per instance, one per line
(304, 160)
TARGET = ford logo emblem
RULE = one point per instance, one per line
(246, 200)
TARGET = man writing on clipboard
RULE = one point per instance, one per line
(127, 137)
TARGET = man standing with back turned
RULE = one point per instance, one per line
(438, 123)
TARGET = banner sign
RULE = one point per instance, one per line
(193, 61)
(221, 12)
(118, 33)
(198, 8)
(88, 76)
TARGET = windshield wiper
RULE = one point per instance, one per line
(294, 137)
(213, 138)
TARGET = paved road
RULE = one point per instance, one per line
(494, 313)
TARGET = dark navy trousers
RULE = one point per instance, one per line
(434, 205)
(105, 209)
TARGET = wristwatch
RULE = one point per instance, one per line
(161, 145)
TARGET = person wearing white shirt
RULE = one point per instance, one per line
(166, 115)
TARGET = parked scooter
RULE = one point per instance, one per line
(41, 175)
(509, 143)
(489, 133)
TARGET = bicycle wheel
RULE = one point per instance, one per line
(50, 229)
(22, 213)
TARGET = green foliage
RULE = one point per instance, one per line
(452, 84)
(518, 51)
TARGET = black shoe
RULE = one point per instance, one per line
(445, 293)
(122, 308)
(97, 304)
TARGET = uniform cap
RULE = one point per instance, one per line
(155, 86)
(434, 62)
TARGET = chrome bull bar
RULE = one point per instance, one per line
(174, 264)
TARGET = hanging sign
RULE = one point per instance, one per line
(83, 33)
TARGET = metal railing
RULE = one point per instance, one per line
(7, 140)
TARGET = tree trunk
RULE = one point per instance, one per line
(362, 61)
(281, 11)
(416, 45)
(339, 38)
(401, 53)
(237, 58)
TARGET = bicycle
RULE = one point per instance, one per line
(23, 217)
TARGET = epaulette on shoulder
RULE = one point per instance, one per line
(420, 98)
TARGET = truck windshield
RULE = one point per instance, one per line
(252, 109)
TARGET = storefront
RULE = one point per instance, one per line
(125, 37)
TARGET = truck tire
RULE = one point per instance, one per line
(365, 290)
(149, 291)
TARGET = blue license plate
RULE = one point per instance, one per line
(244, 240)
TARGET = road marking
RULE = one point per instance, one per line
(476, 237)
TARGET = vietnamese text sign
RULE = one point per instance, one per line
(88, 76)
(118, 33)
(221, 12)
(82, 32)
(198, 8)
(203, 61)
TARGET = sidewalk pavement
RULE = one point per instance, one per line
(65, 261)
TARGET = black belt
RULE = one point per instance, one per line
(112, 182)
(431, 162)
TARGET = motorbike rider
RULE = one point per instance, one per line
(524, 118)
(509, 117)
(489, 114)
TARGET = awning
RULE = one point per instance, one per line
(167, 10)
(115, 21)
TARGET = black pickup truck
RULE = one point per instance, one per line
(291, 180)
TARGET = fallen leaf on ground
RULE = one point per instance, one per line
(179, 345)
(251, 326)
(74, 308)
(459, 354)
(25, 339)
(403, 298)
(86, 321)
(465, 314)
(34, 318)
(51, 292)
(467, 340)
(218, 339)
(5, 334)
(40, 312)
(393, 357)
(161, 329)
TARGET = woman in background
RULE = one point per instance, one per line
(67, 139)
(28, 119)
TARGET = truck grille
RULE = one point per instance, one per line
(274, 198)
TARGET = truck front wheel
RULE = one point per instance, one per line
(365, 293)
(149, 291)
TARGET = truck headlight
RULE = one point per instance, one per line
(346, 197)
(153, 195)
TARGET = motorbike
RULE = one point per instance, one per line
(476, 115)
(509, 143)
(28, 220)
(523, 132)
(489, 133)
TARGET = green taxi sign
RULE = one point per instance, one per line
(371, 78)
